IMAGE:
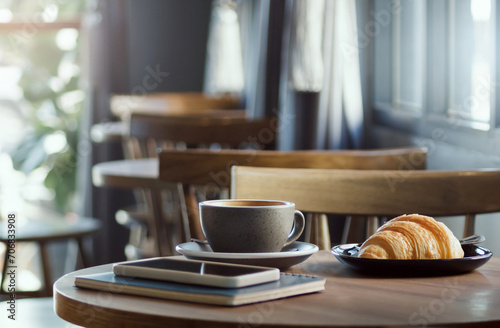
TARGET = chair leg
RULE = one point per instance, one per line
(155, 225)
(83, 254)
(347, 228)
(354, 229)
(308, 228)
(470, 222)
(372, 224)
(320, 234)
(193, 213)
(185, 207)
(163, 237)
(4, 269)
(46, 269)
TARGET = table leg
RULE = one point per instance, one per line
(44, 253)
(4, 269)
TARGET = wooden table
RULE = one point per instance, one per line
(350, 300)
(43, 232)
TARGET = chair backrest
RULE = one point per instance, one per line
(200, 166)
(227, 128)
(212, 168)
(170, 103)
(382, 193)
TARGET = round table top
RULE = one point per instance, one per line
(350, 299)
(51, 230)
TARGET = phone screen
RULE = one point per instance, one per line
(196, 267)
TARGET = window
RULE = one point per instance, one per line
(40, 98)
(435, 65)
(40, 103)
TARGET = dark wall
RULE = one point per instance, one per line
(169, 36)
(131, 45)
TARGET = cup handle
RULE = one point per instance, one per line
(299, 223)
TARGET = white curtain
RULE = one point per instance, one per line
(255, 17)
(224, 64)
(340, 112)
(306, 66)
(320, 82)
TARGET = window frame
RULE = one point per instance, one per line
(427, 122)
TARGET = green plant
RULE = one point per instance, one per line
(52, 107)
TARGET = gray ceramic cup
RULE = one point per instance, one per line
(250, 226)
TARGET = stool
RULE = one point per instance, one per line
(43, 232)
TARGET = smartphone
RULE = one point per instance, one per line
(214, 274)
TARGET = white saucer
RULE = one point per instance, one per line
(293, 254)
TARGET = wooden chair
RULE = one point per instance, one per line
(134, 217)
(375, 193)
(211, 169)
(148, 133)
(139, 138)
(230, 129)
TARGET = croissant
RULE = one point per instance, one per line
(412, 237)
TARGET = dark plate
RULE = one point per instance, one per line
(474, 257)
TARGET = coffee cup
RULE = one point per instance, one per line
(250, 225)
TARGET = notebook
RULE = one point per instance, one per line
(288, 285)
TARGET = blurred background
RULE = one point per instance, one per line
(344, 74)
(41, 99)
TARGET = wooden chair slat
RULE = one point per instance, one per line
(205, 167)
(373, 192)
